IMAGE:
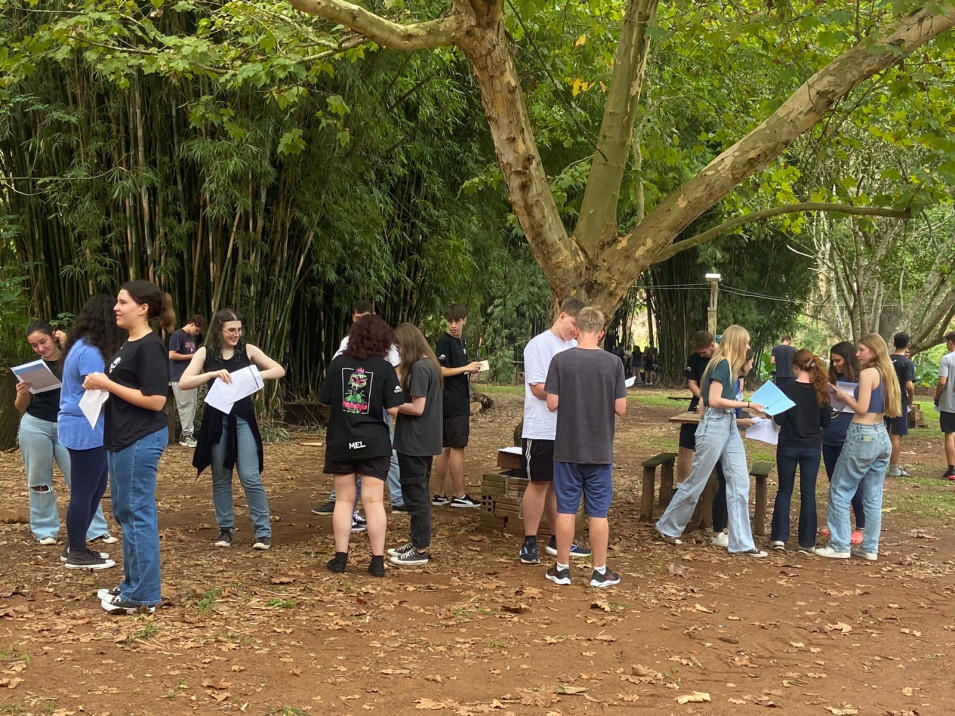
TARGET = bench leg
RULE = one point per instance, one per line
(666, 484)
(703, 514)
(646, 496)
(759, 519)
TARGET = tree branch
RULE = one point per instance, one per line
(732, 224)
(416, 36)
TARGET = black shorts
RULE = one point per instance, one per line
(898, 426)
(947, 421)
(688, 435)
(537, 459)
(457, 429)
(371, 467)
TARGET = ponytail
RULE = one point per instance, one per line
(805, 360)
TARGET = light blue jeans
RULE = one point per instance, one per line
(862, 464)
(717, 438)
(132, 479)
(394, 480)
(247, 465)
(40, 448)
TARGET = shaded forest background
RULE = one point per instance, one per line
(241, 154)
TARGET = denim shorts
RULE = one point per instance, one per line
(595, 481)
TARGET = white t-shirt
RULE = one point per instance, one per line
(392, 356)
(539, 422)
(946, 369)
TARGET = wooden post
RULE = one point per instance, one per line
(646, 496)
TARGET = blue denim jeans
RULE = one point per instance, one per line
(717, 438)
(807, 459)
(862, 464)
(132, 475)
(394, 480)
(247, 465)
(830, 456)
(39, 447)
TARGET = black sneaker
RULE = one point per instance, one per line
(529, 554)
(225, 537)
(338, 563)
(466, 501)
(66, 552)
(377, 566)
(262, 543)
(115, 605)
(327, 509)
(414, 558)
(399, 508)
(358, 523)
(440, 500)
(88, 559)
(576, 551)
(606, 579)
(102, 594)
(403, 549)
(949, 474)
(558, 576)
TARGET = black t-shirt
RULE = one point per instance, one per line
(695, 367)
(358, 392)
(802, 425)
(46, 405)
(905, 371)
(144, 365)
(420, 435)
(451, 353)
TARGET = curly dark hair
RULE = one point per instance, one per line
(369, 336)
(97, 324)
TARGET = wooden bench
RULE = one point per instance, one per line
(665, 462)
(760, 471)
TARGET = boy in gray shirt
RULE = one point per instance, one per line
(587, 383)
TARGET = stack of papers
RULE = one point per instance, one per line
(38, 375)
(764, 430)
(838, 405)
(246, 381)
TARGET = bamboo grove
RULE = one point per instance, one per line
(226, 192)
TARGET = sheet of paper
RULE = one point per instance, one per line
(772, 399)
(92, 404)
(630, 381)
(764, 430)
(513, 450)
(485, 365)
(222, 396)
(38, 375)
(845, 387)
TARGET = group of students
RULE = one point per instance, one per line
(854, 443)
(112, 347)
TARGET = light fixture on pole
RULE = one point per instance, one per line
(714, 279)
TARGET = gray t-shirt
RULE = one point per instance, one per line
(421, 435)
(587, 382)
(946, 369)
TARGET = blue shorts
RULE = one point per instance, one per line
(595, 481)
(898, 426)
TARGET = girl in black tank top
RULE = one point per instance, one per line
(231, 440)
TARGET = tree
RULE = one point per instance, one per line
(597, 260)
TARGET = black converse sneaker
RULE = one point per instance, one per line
(116, 605)
(88, 559)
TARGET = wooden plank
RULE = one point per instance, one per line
(663, 457)
(646, 494)
(686, 418)
(494, 478)
(761, 469)
(508, 460)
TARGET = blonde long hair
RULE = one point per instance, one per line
(732, 348)
(412, 347)
(893, 392)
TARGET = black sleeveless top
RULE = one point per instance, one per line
(210, 431)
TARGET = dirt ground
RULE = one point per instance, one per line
(689, 629)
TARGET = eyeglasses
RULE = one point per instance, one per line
(234, 331)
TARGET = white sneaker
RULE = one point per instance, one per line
(871, 556)
(831, 553)
(720, 539)
(46, 541)
(758, 553)
(776, 544)
(106, 538)
(896, 471)
(188, 442)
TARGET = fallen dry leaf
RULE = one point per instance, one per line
(568, 689)
(697, 697)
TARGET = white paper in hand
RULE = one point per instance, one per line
(38, 374)
(630, 381)
(485, 365)
(763, 430)
(246, 381)
(92, 404)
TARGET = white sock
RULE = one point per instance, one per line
(601, 570)
(562, 566)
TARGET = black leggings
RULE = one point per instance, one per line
(89, 473)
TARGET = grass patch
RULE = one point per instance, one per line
(281, 603)
(148, 629)
(208, 600)
(10, 656)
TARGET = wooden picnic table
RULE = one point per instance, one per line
(687, 418)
